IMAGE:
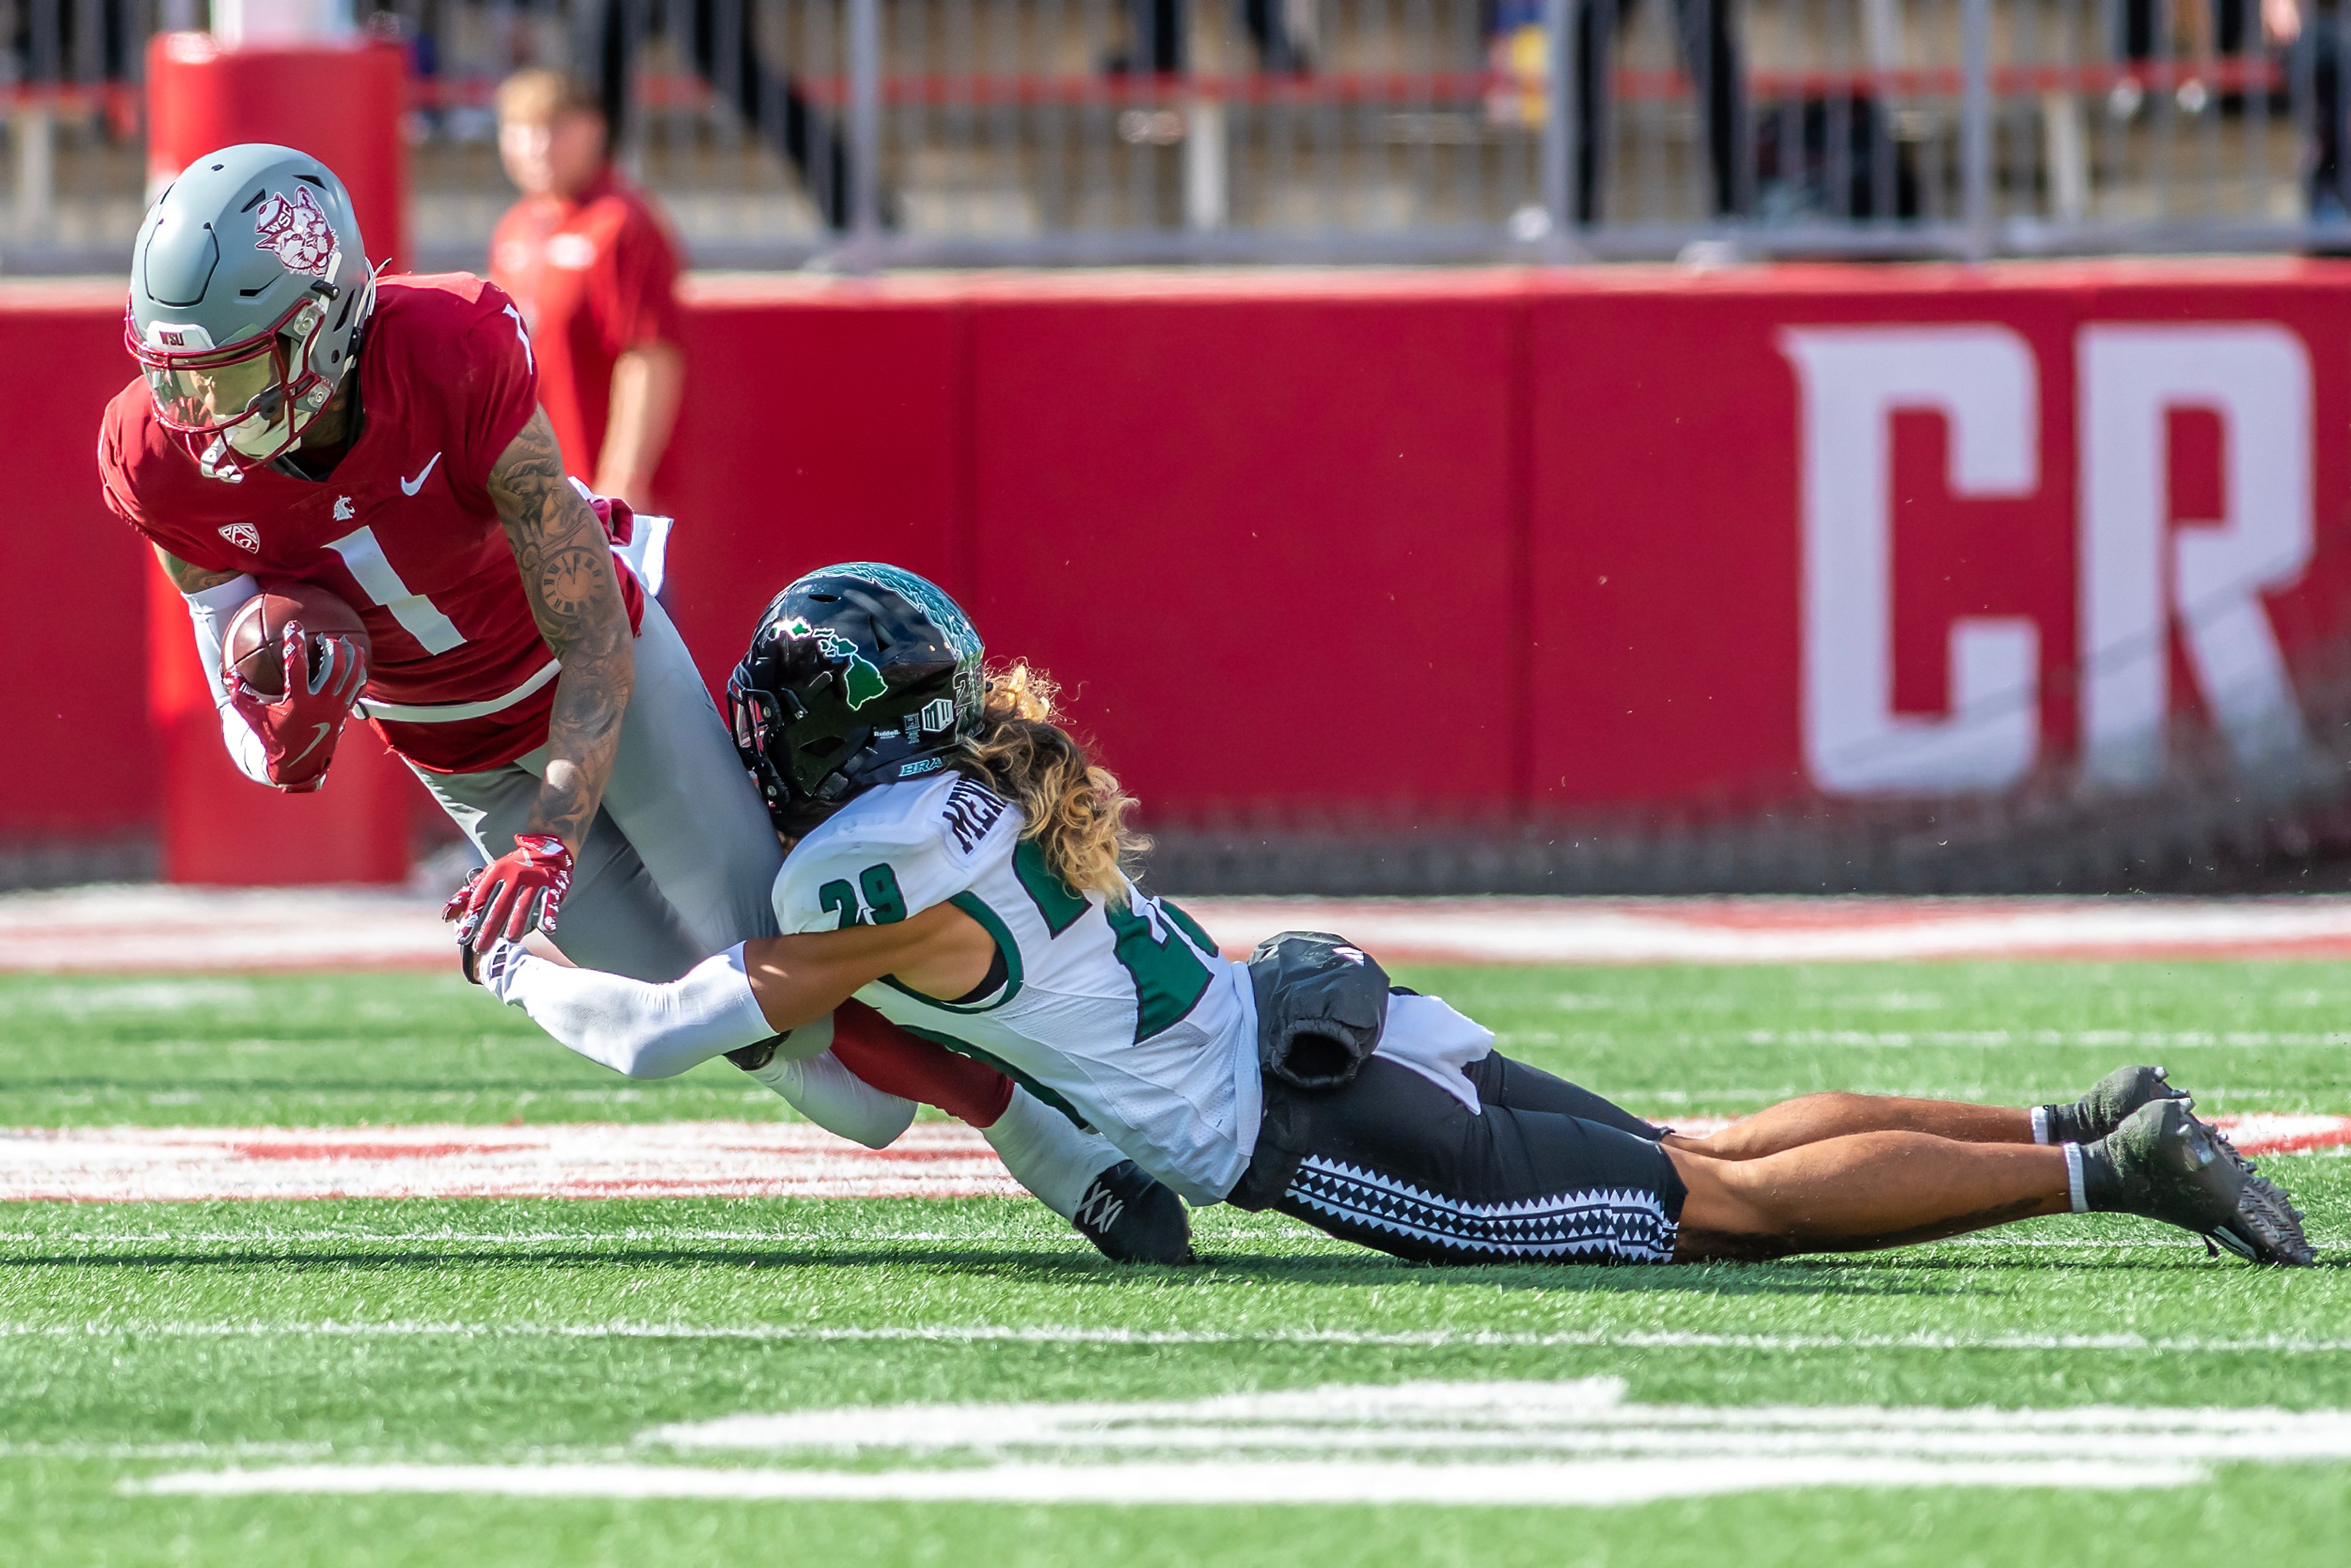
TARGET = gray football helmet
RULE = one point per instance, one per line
(249, 284)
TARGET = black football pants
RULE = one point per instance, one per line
(1546, 1172)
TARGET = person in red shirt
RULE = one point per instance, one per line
(299, 418)
(595, 271)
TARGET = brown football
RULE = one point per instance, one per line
(250, 649)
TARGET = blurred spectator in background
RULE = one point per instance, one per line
(2315, 50)
(1520, 47)
(1158, 41)
(1710, 51)
(69, 40)
(595, 270)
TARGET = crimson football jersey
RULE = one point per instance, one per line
(405, 530)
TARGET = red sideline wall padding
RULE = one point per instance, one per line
(1459, 547)
(74, 701)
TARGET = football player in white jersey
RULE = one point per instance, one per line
(959, 863)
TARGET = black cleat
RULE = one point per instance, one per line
(2266, 1200)
(2115, 1097)
(2164, 1164)
(2109, 1103)
(1131, 1219)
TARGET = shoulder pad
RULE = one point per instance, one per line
(892, 853)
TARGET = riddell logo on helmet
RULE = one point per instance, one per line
(296, 230)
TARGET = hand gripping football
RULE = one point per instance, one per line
(250, 651)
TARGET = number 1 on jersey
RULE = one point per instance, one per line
(418, 616)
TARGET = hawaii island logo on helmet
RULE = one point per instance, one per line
(296, 230)
(862, 682)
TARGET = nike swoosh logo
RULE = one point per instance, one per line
(324, 730)
(410, 487)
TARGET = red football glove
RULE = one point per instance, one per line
(519, 890)
(299, 730)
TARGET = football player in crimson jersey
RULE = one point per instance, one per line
(296, 417)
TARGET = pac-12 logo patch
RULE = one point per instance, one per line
(295, 229)
(243, 536)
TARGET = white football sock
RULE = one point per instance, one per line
(631, 1026)
(1047, 1153)
(834, 1098)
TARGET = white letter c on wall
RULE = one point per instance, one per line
(1983, 380)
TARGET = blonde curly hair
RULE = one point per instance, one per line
(1076, 811)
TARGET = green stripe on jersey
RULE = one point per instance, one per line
(1192, 928)
(1058, 904)
(1170, 979)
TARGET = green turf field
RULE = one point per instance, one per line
(142, 1340)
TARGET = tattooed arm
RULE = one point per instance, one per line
(567, 574)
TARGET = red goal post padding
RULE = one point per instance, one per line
(342, 103)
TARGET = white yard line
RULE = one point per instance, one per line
(297, 1235)
(575, 1160)
(1062, 1334)
(1210, 1484)
(598, 1160)
(210, 931)
(1792, 930)
(1496, 1443)
(234, 1451)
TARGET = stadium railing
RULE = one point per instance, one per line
(863, 133)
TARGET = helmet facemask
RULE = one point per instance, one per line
(759, 719)
(252, 399)
(802, 778)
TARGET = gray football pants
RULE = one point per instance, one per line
(681, 862)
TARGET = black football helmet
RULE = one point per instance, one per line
(858, 675)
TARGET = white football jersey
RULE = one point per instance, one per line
(1129, 1016)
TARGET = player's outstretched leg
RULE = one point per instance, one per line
(1862, 1191)
(1812, 1118)
(1870, 1190)
(1080, 1175)
(1396, 1161)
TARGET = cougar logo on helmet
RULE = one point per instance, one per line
(296, 230)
